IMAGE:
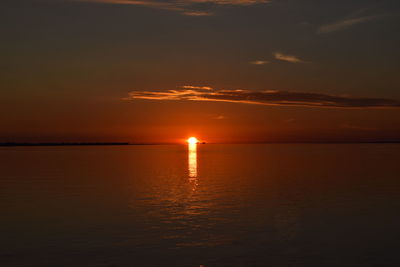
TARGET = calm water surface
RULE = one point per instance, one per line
(210, 205)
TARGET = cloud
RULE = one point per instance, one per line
(227, 2)
(219, 117)
(349, 21)
(356, 127)
(197, 13)
(184, 7)
(288, 58)
(259, 62)
(197, 87)
(280, 98)
(343, 24)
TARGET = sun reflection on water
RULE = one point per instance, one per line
(192, 154)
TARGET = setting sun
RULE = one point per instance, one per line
(192, 140)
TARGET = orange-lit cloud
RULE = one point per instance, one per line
(288, 58)
(282, 98)
(259, 62)
(187, 7)
(197, 87)
(219, 117)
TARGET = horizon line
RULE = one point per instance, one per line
(14, 144)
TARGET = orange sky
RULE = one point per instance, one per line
(81, 71)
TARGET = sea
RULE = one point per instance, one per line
(200, 205)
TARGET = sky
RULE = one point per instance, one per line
(225, 71)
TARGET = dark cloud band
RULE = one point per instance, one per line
(188, 7)
(283, 98)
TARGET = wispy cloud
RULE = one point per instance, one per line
(219, 117)
(259, 62)
(281, 98)
(343, 24)
(197, 13)
(184, 7)
(288, 58)
(197, 87)
(356, 127)
(347, 22)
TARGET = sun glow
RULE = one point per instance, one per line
(192, 140)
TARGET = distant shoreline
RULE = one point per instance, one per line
(65, 144)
